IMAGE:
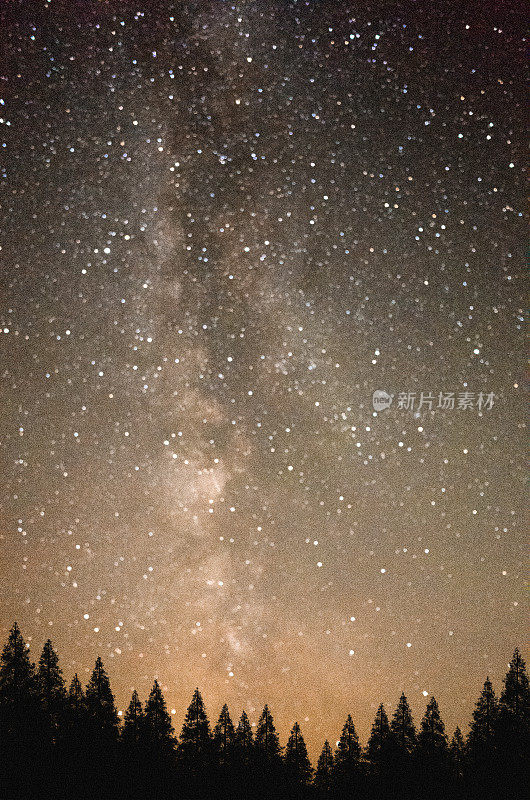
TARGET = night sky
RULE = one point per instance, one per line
(224, 226)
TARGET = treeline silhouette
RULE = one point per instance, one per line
(68, 743)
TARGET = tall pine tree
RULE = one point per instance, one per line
(457, 752)
(50, 685)
(404, 746)
(19, 715)
(266, 742)
(324, 769)
(17, 672)
(432, 739)
(133, 721)
(513, 726)
(347, 771)
(379, 744)
(432, 751)
(267, 761)
(76, 697)
(100, 702)
(195, 750)
(402, 726)
(480, 740)
(298, 766)
(224, 734)
(244, 737)
(195, 735)
(157, 721)
(515, 697)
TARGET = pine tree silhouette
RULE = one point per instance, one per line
(195, 750)
(224, 734)
(244, 738)
(158, 742)
(66, 745)
(379, 753)
(267, 761)
(133, 721)
(404, 746)
(20, 722)
(480, 740)
(75, 728)
(76, 697)
(457, 753)
(195, 733)
(298, 766)
(243, 775)
(17, 672)
(402, 726)
(432, 737)
(347, 771)
(324, 770)
(135, 753)
(513, 725)
(515, 697)
(50, 686)
(102, 732)
(266, 741)
(378, 748)
(74, 742)
(432, 751)
(100, 701)
(158, 721)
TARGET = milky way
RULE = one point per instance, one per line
(225, 225)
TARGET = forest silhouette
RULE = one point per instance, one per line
(59, 742)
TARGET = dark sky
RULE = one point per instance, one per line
(224, 226)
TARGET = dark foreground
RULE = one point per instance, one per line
(68, 744)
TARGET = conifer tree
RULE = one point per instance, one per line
(244, 737)
(76, 697)
(74, 735)
(324, 769)
(224, 734)
(298, 766)
(158, 721)
(244, 762)
(515, 697)
(403, 747)
(74, 731)
(19, 735)
(244, 743)
(379, 743)
(482, 729)
(513, 726)
(348, 747)
(458, 765)
(195, 734)
(266, 742)
(195, 750)
(133, 722)
(432, 737)
(100, 701)
(346, 776)
(50, 683)
(432, 755)
(17, 672)
(402, 726)
(457, 750)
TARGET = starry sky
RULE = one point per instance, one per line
(224, 226)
